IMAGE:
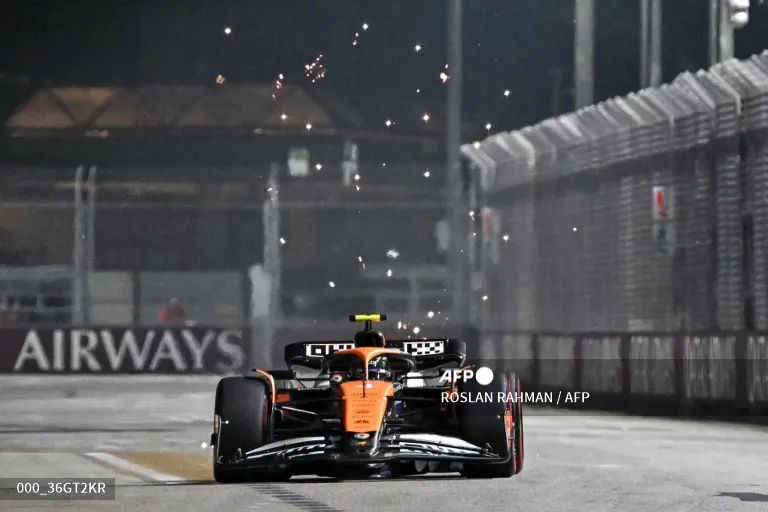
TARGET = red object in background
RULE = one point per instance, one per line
(172, 313)
(661, 206)
(488, 221)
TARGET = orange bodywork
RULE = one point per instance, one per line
(364, 402)
(271, 381)
(509, 424)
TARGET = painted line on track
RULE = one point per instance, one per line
(136, 469)
(189, 466)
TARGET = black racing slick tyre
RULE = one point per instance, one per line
(242, 409)
(492, 423)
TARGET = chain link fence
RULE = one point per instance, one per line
(370, 242)
(116, 250)
(112, 246)
(642, 213)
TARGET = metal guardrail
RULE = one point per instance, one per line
(716, 374)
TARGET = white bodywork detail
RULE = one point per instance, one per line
(426, 447)
(424, 348)
(324, 349)
(434, 439)
(414, 380)
(288, 444)
(303, 450)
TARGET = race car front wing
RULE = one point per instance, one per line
(396, 447)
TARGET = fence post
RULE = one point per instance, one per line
(457, 204)
(90, 263)
(79, 270)
(475, 262)
(273, 270)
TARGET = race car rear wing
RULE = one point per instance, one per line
(428, 353)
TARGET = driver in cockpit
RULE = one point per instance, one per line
(377, 369)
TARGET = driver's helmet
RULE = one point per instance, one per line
(378, 369)
(370, 339)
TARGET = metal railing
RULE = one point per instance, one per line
(648, 212)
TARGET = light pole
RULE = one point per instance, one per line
(655, 69)
(584, 52)
(650, 43)
(79, 254)
(90, 240)
(457, 209)
(645, 38)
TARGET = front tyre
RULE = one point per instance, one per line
(492, 424)
(242, 409)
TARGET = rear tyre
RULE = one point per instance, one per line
(490, 423)
(242, 406)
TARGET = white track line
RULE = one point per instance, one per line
(136, 469)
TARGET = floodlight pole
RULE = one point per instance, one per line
(645, 38)
(584, 53)
(456, 206)
(655, 64)
(714, 32)
(79, 262)
(90, 240)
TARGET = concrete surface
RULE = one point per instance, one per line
(157, 425)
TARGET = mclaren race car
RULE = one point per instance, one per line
(371, 407)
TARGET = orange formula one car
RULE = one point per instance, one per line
(378, 408)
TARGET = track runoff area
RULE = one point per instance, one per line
(484, 376)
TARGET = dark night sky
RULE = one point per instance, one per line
(509, 44)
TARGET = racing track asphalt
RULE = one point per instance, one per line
(574, 462)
